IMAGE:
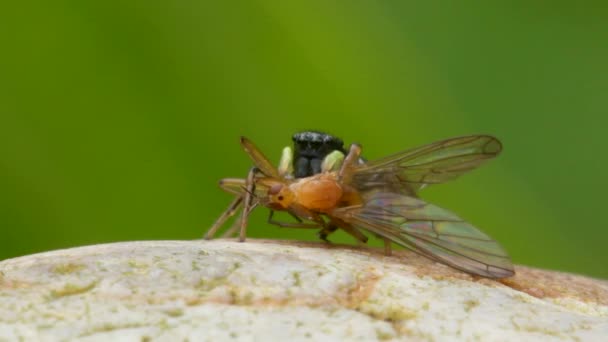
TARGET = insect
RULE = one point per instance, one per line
(310, 148)
(379, 197)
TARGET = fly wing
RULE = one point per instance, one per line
(430, 231)
(409, 171)
(259, 159)
(237, 186)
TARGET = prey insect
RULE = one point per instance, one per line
(310, 148)
(379, 197)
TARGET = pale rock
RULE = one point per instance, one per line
(284, 291)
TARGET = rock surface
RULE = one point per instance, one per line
(276, 290)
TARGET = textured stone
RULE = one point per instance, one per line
(277, 290)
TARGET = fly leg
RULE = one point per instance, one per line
(299, 212)
(236, 225)
(232, 209)
(326, 231)
(387, 246)
(298, 224)
(247, 204)
(334, 225)
(356, 233)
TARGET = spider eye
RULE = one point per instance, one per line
(280, 198)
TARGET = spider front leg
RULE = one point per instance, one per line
(346, 169)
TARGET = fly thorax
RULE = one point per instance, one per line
(318, 192)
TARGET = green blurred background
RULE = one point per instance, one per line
(117, 118)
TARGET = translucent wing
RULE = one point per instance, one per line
(410, 170)
(430, 231)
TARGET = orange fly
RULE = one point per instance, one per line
(379, 197)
